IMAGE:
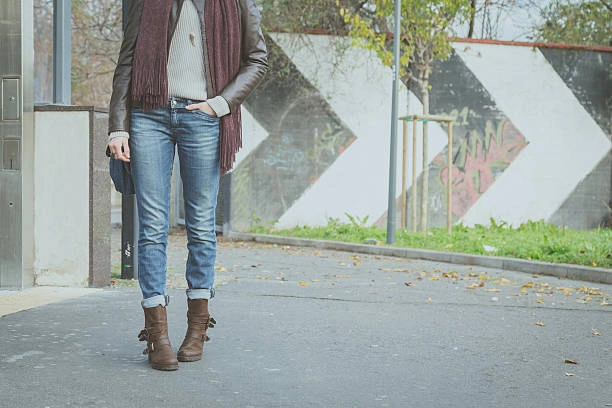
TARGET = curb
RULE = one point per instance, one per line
(566, 271)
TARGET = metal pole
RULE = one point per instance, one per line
(128, 250)
(62, 65)
(414, 174)
(449, 195)
(425, 173)
(392, 154)
(129, 222)
(404, 160)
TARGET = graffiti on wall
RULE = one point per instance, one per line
(304, 138)
(485, 143)
(480, 158)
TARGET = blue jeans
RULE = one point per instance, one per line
(153, 136)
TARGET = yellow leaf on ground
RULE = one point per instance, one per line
(475, 285)
(569, 374)
(540, 323)
(540, 300)
(568, 361)
(435, 278)
(303, 283)
(493, 290)
(429, 300)
(595, 333)
(528, 285)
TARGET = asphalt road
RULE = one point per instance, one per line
(309, 328)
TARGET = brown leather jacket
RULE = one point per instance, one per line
(253, 55)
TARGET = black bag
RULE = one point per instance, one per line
(121, 174)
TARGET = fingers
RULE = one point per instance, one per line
(126, 149)
(120, 148)
(203, 106)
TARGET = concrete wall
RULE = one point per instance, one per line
(532, 135)
(71, 198)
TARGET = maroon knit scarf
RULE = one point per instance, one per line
(149, 72)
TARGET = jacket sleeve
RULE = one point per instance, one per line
(119, 117)
(254, 62)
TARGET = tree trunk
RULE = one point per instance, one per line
(472, 18)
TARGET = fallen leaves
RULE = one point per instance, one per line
(475, 285)
(408, 283)
(540, 323)
(568, 361)
(590, 291)
(595, 333)
(503, 281)
(303, 283)
(569, 374)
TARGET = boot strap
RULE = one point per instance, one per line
(151, 338)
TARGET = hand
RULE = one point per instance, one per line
(119, 148)
(203, 106)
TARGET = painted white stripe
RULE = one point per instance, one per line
(252, 135)
(357, 182)
(537, 101)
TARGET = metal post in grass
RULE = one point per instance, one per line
(404, 159)
(414, 175)
(394, 109)
(449, 195)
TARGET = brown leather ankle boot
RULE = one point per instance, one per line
(155, 333)
(198, 321)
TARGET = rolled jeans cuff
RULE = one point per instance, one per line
(154, 301)
(200, 293)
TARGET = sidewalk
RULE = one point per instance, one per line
(304, 327)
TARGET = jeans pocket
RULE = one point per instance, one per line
(205, 115)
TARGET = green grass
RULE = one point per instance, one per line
(534, 240)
